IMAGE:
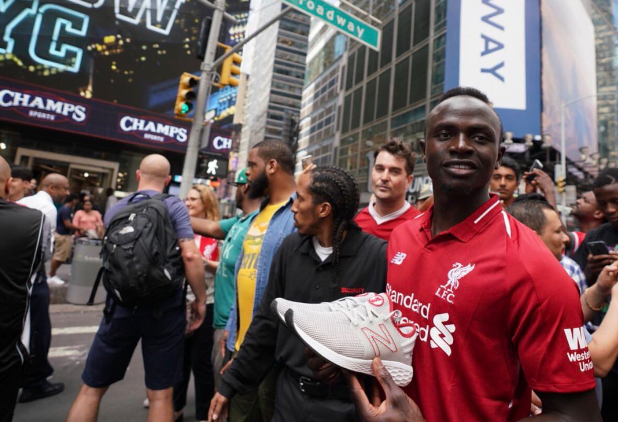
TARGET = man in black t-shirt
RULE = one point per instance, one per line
(63, 240)
(21, 249)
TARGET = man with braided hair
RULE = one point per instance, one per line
(327, 259)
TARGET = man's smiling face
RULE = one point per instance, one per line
(462, 144)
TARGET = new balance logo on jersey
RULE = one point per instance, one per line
(440, 334)
(446, 291)
(398, 258)
(576, 338)
(374, 338)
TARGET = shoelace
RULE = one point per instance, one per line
(355, 314)
(343, 303)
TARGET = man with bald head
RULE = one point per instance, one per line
(54, 189)
(161, 329)
(20, 255)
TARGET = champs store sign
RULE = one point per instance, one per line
(34, 105)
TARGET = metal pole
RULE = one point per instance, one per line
(563, 158)
(204, 90)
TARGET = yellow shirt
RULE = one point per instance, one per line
(246, 279)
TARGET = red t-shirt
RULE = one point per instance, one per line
(381, 227)
(497, 315)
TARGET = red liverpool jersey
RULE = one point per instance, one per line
(370, 222)
(496, 313)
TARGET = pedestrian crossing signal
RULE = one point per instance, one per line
(185, 96)
(561, 185)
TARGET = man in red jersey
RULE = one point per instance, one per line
(496, 313)
(392, 174)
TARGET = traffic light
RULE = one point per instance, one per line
(185, 96)
(561, 185)
(229, 67)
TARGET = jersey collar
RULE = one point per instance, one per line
(468, 228)
(380, 220)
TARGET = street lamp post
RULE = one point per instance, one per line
(564, 104)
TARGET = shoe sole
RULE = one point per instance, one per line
(42, 396)
(401, 373)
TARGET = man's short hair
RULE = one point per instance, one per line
(398, 148)
(69, 198)
(510, 163)
(608, 176)
(21, 172)
(278, 151)
(469, 92)
(529, 210)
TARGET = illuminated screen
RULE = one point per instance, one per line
(130, 52)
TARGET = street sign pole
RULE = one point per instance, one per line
(204, 90)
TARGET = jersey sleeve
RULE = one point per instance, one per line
(226, 225)
(546, 325)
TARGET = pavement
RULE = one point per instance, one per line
(73, 329)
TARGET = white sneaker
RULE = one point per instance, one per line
(146, 403)
(279, 306)
(55, 281)
(352, 337)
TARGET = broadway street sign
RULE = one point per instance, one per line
(340, 20)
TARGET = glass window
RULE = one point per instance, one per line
(400, 94)
(346, 114)
(409, 117)
(360, 66)
(438, 65)
(372, 61)
(386, 44)
(404, 30)
(440, 15)
(356, 109)
(422, 21)
(373, 137)
(382, 102)
(350, 71)
(370, 101)
(419, 75)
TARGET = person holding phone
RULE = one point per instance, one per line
(538, 180)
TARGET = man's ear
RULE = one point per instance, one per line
(7, 187)
(167, 180)
(499, 157)
(324, 210)
(409, 179)
(138, 175)
(598, 214)
(422, 146)
(272, 166)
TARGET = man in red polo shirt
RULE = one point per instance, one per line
(392, 174)
(496, 313)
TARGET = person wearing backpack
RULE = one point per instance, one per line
(143, 275)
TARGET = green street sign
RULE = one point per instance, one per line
(340, 20)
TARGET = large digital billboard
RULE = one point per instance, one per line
(130, 52)
(494, 46)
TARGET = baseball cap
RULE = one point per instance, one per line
(241, 177)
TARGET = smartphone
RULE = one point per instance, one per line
(537, 164)
(598, 247)
(306, 161)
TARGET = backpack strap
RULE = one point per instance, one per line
(161, 196)
(93, 293)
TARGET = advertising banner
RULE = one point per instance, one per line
(44, 107)
(494, 46)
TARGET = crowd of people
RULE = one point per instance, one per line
(515, 315)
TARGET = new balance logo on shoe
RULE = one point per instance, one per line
(374, 338)
(440, 334)
(398, 258)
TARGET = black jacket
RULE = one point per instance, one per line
(297, 274)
